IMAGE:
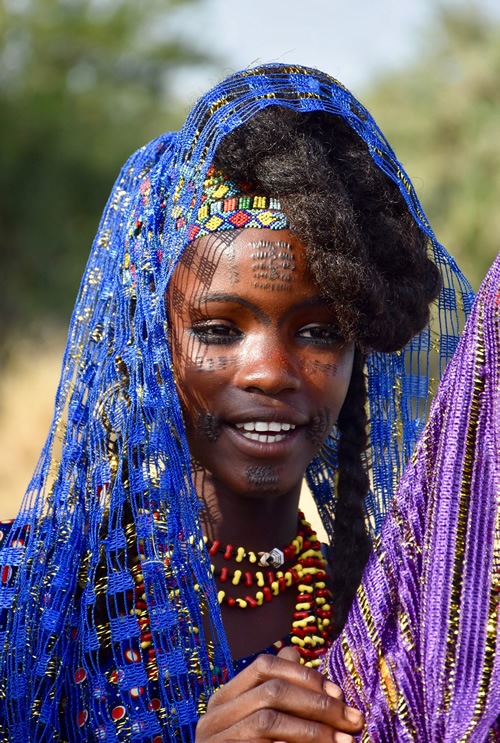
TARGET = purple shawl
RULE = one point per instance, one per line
(418, 654)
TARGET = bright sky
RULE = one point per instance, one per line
(352, 40)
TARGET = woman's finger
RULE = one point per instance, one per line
(333, 690)
(267, 667)
(289, 653)
(280, 696)
(264, 668)
(271, 725)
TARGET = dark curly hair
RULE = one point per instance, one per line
(368, 257)
(364, 248)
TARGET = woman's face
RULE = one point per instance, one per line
(260, 368)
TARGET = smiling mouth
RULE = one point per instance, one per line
(266, 432)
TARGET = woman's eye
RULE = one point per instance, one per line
(320, 334)
(216, 332)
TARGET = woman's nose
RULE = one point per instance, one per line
(269, 367)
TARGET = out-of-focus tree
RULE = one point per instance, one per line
(82, 84)
(443, 118)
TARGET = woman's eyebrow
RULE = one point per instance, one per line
(234, 298)
(315, 301)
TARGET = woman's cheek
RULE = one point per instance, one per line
(321, 425)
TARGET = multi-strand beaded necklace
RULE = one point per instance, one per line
(311, 630)
(311, 626)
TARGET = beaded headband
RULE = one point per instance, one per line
(226, 206)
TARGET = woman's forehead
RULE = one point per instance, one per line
(267, 267)
(266, 258)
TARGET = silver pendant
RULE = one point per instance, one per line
(275, 558)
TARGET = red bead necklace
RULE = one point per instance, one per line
(312, 626)
(311, 631)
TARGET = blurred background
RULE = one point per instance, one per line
(83, 83)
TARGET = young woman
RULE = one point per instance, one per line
(245, 320)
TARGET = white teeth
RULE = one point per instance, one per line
(264, 431)
(265, 426)
(263, 438)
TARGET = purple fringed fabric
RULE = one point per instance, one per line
(419, 653)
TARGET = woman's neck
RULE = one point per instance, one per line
(254, 522)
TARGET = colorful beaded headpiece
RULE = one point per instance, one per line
(117, 454)
(226, 206)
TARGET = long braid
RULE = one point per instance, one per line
(352, 544)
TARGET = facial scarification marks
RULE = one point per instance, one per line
(325, 368)
(214, 364)
(261, 475)
(320, 367)
(209, 426)
(273, 264)
(222, 362)
(320, 427)
(233, 273)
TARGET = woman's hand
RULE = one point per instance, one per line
(277, 699)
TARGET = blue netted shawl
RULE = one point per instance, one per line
(115, 469)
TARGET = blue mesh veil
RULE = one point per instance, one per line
(113, 480)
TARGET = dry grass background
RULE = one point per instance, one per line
(27, 390)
